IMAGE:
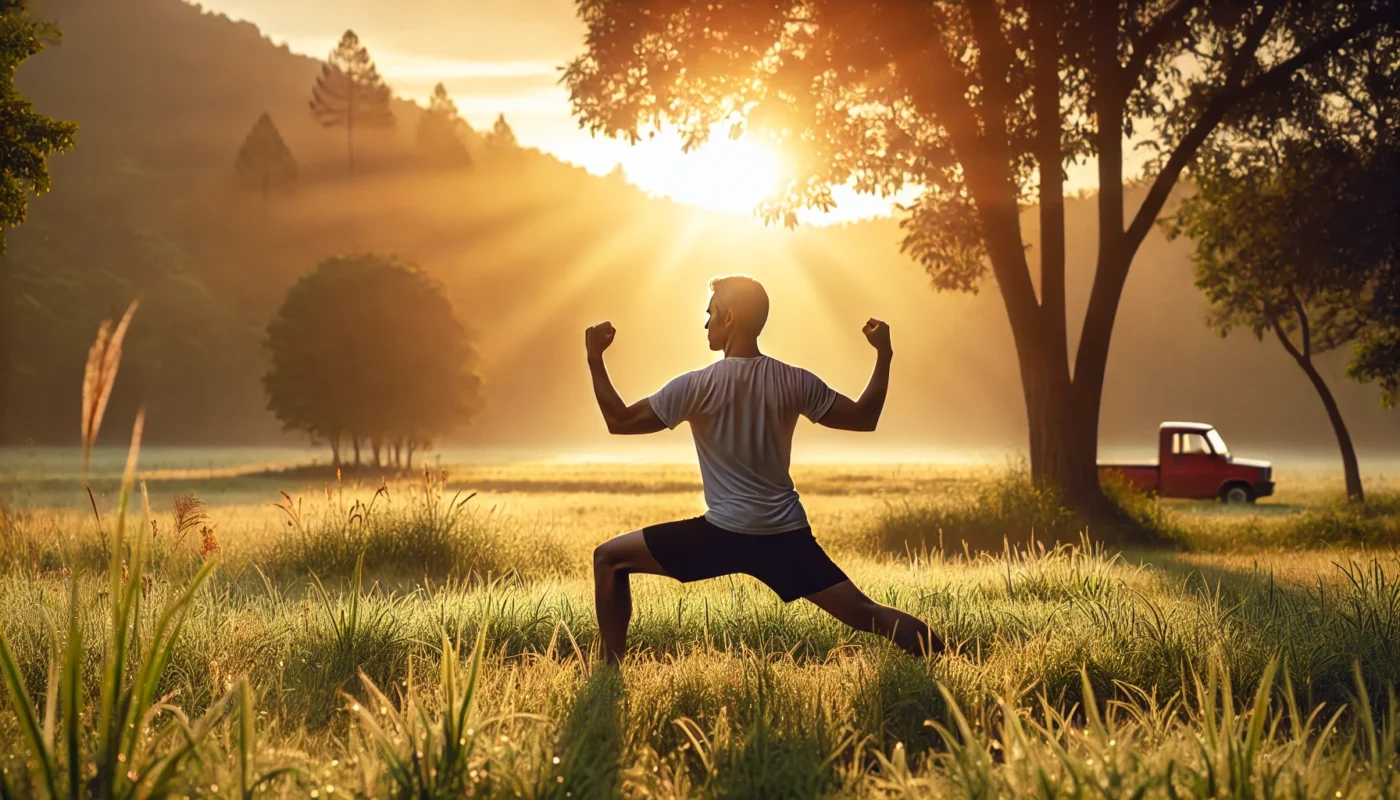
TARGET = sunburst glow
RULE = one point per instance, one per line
(723, 174)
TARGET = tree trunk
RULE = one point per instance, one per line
(375, 444)
(350, 137)
(335, 450)
(1303, 355)
(1349, 464)
(409, 463)
(1063, 430)
(355, 440)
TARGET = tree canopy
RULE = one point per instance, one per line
(501, 135)
(264, 160)
(441, 130)
(349, 93)
(1287, 246)
(979, 107)
(367, 347)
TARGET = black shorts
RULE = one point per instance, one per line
(791, 563)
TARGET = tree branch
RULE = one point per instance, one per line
(1304, 327)
(943, 88)
(1229, 96)
(1156, 36)
(1284, 339)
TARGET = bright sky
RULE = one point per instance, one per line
(504, 56)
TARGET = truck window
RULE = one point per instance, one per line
(1189, 444)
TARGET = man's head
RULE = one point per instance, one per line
(738, 308)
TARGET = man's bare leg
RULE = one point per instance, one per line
(614, 561)
(850, 605)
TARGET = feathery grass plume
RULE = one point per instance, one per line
(98, 376)
(188, 513)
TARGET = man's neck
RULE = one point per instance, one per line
(742, 348)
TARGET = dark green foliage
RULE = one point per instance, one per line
(264, 161)
(350, 93)
(1376, 357)
(369, 347)
(27, 139)
(441, 131)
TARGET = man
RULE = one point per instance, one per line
(742, 411)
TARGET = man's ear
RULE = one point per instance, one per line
(729, 319)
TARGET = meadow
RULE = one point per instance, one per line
(432, 635)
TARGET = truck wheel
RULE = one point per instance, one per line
(1236, 493)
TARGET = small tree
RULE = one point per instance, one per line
(350, 93)
(368, 347)
(1286, 246)
(501, 135)
(264, 160)
(440, 132)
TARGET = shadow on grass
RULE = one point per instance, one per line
(592, 738)
(1011, 510)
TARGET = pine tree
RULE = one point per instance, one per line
(264, 160)
(351, 93)
(501, 135)
(440, 132)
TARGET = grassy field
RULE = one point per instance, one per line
(413, 640)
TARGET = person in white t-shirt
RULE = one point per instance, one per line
(742, 412)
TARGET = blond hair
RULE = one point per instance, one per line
(744, 296)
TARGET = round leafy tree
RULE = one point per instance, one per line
(367, 348)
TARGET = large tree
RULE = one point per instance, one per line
(980, 106)
(349, 93)
(367, 348)
(27, 139)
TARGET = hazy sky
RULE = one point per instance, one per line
(504, 56)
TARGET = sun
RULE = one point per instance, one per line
(732, 175)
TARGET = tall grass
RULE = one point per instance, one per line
(416, 531)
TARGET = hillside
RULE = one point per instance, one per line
(531, 250)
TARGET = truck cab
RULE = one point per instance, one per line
(1193, 462)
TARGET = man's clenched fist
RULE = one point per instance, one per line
(598, 337)
(878, 334)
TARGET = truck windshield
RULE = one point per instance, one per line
(1218, 443)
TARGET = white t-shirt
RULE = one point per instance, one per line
(742, 412)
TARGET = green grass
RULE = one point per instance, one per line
(405, 643)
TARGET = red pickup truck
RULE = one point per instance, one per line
(1193, 462)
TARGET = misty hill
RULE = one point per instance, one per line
(531, 251)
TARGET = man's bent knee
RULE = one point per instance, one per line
(606, 557)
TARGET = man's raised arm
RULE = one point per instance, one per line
(621, 418)
(864, 414)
